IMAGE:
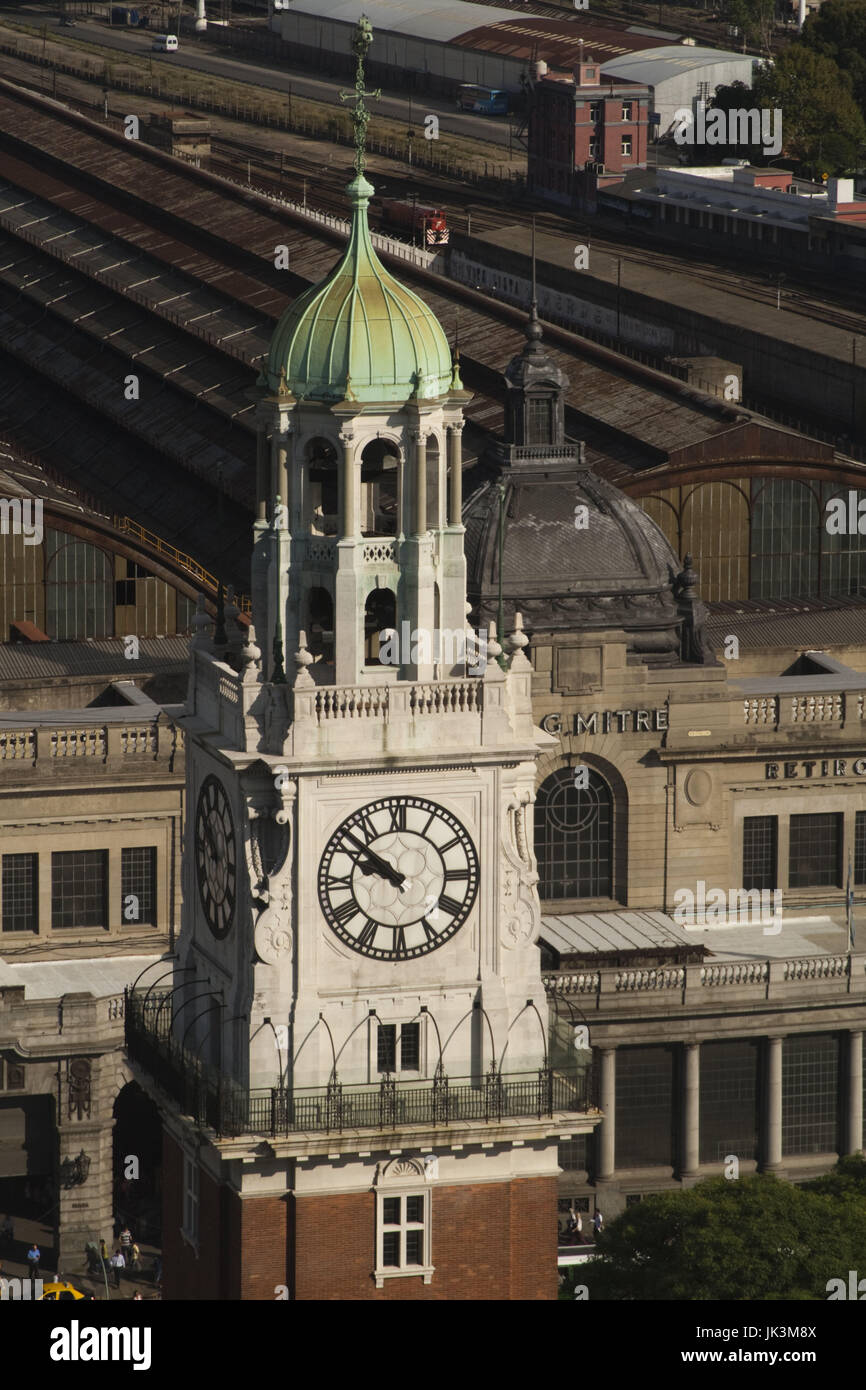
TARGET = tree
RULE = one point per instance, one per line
(756, 21)
(847, 1179)
(822, 126)
(838, 31)
(749, 1238)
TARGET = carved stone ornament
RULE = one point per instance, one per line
(401, 1171)
(79, 1076)
(520, 916)
(273, 937)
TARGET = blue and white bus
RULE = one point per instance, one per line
(485, 100)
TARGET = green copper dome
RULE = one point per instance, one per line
(360, 334)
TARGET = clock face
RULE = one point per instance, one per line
(398, 878)
(215, 856)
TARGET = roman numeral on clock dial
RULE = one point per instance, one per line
(367, 933)
(450, 905)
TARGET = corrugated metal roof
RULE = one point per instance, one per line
(557, 41)
(660, 64)
(810, 626)
(431, 21)
(580, 933)
(611, 931)
(23, 661)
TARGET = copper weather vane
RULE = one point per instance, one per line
(361, 41)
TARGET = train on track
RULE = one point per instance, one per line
(408, 216)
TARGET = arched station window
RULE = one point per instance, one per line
(574, 837)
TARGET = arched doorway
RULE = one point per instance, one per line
(138, 1166)
(574, 836)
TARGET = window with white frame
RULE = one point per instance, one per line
(398, 1049)
(626, 144)
(626, 110)
(593, 149)
(190, 1198)
(403, 1221)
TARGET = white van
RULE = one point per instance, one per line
(165, 43)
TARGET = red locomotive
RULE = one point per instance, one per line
(409, 217)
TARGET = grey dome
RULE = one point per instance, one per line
(618, 572)
(614, 570)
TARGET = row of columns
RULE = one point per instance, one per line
(279, 484)
(691, 1102)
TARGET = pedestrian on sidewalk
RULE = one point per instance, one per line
(34, 1255)
(117, 1263)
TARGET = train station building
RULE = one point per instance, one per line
(453, 947)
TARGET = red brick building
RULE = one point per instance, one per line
(581, 118)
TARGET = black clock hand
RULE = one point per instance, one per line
(209, 836)
(382, 867)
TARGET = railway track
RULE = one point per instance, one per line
(297, 177)
(223, 236)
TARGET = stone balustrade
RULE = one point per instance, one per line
(764, 710)
(94, 744)
(824, 707)
(380, 701)
(749, 980)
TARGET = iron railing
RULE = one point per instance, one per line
(229, 1109)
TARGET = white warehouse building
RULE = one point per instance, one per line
(679, 75)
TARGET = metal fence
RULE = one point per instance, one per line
(215, 1101)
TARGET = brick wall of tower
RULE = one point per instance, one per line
(243, 1245)
(187, 1274)
(490, 1241)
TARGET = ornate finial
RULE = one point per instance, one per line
(219, 635)
(278, 676)
(533, 329)
(283, 388)
(687, 580)
(200, 623)
(518, 639)
(494, 650)
(303, 659)
(456, 383)
(361, 41)
(250, 653)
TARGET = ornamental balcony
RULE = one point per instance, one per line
(214, 1101)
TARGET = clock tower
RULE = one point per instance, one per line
(354, 1060)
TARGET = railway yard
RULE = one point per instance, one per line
(116, 258)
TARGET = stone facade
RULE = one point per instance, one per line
(109, 780)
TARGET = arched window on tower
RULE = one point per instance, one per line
(380, 614)
(434, 485)
(574, 836)
(320, 620)
(323, 476)
(379, 473)
(539, 420)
